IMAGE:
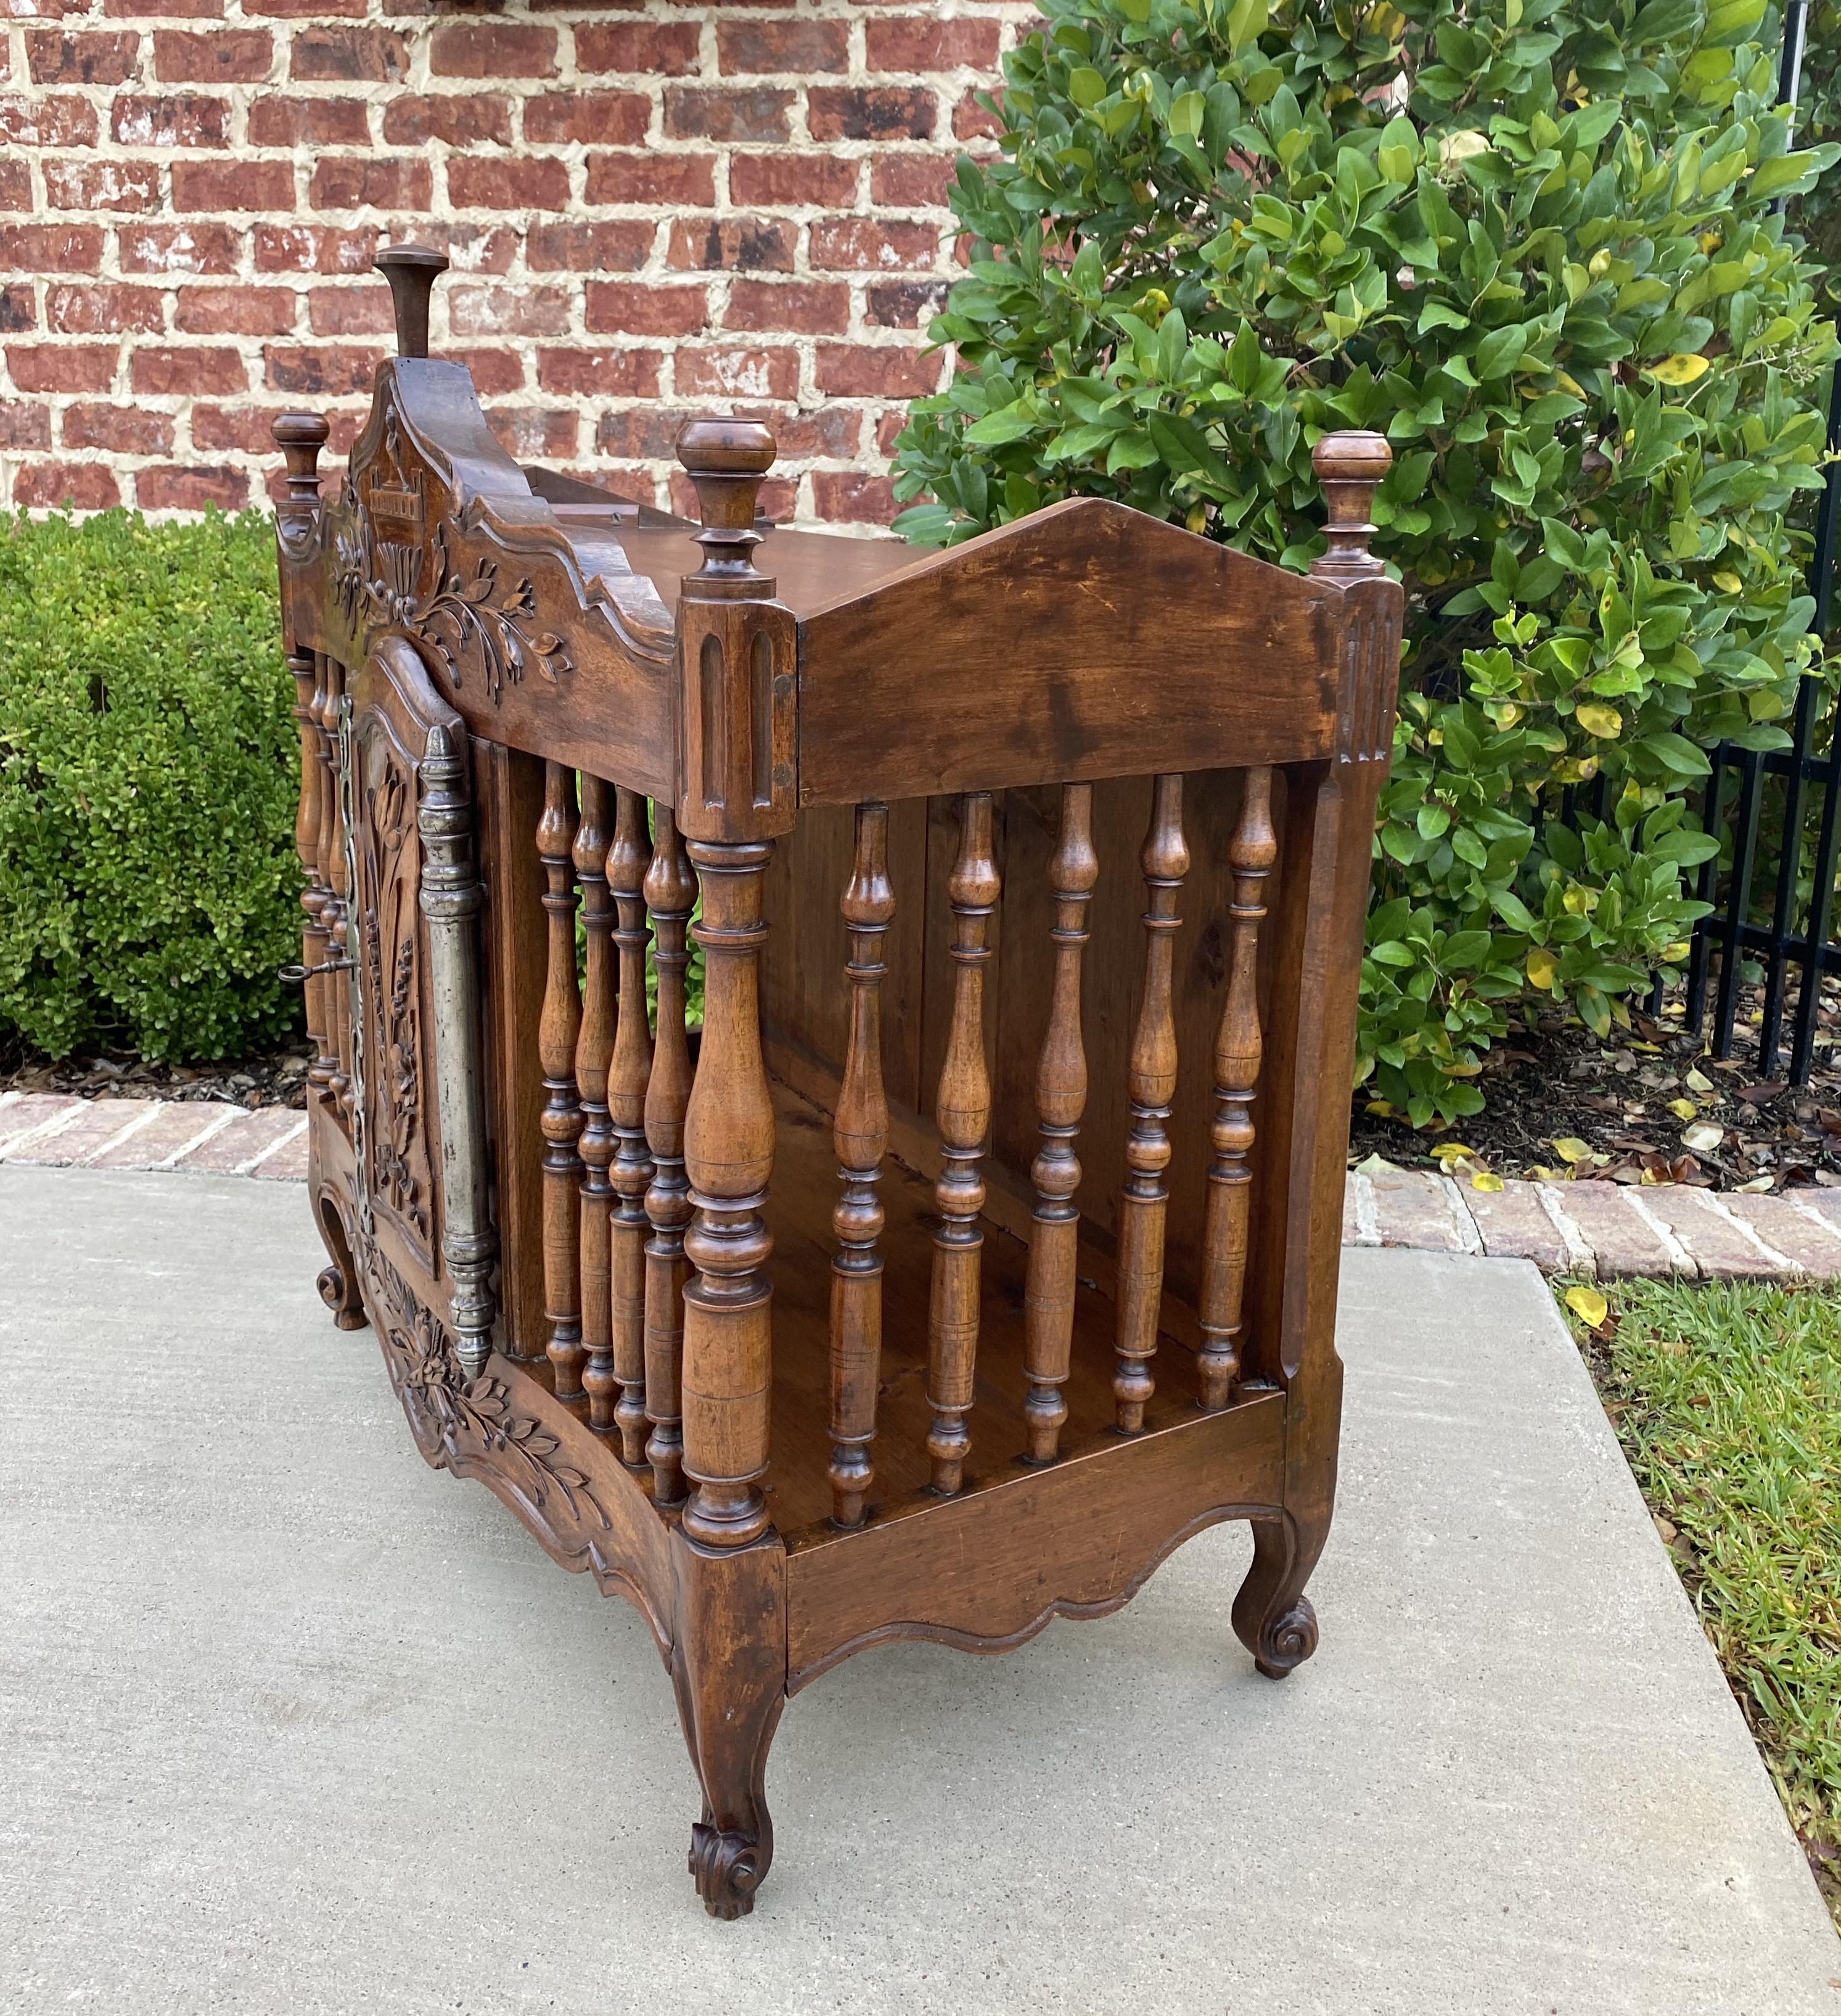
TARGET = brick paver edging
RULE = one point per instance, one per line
(1604, 1229)
(1598, 1229)
(57, 1130)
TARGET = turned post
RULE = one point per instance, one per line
(1237, 1055)
(860, 1134)
(412, 270)
(1151, 1086)
(557, 1030)
(1060, 1100)
(737, 653)
(1350, 466)
(963, 1115)
(670, 895)
(300, 437)
(594, 1048)
(627, 1082)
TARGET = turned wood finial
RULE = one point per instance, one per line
(300, 437)
(1350, 467)
(412, 270)
(727, 460)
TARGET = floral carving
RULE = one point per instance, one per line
(474, 627)
(398, 1155)
(477, 1426)
(465, 628)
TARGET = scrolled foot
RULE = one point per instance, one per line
(1272, 1615)
(1287, 1641)
(728, 1868)
(347, 1311)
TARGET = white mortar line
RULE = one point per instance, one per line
(53, 1123)
(1470, 1240)
(216, 1126)
(133, 1127)
(1718, 1205)
(1367, 1215)
(1811, 1216)
(274, 1148)
(1683, 1260)
(1579, 1255)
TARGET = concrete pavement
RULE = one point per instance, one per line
(289, 1722)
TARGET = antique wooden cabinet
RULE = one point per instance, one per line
(977, 1243)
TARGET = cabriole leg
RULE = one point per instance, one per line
(729, 1670)
(1273, 1617)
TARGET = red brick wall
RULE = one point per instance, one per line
(651, 210)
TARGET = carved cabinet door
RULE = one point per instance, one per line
(424, 1237)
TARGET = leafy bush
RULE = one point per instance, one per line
(1538, 246)
(148, 886)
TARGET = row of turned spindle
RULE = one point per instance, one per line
(618, 1203)
(319, 840)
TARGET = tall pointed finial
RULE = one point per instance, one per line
(1350, 467)
(727, 460)
(412, 270)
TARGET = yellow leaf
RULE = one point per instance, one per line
(1587, 1303)
(1450, 1151)
(1596, 719)
(1197, 520)
(1542, 1174)
(1573, 1149)
(1698, 1081)
(1683, 1109)
(1542, 967)
(1682, 369)
(1728, 582)
(1483, 1180)
(1382, 1109)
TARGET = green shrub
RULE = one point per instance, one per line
(148, 886)
(1537, 246)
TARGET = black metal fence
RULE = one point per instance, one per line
(1787, 925)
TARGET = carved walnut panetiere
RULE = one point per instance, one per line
(979, 1246)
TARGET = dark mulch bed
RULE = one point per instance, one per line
(275, 1078)
(1555, 1082)
(1558, 1083)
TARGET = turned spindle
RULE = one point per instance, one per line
(671, 894)
(729, 1156)
(1151, 1087)
(594, 1050)
(962, 1114)
(628, 1080)
(412, 270)
(300, 437)
(1060, 1100)
(1238, 1051)
(557, 1031)
(860, 1134)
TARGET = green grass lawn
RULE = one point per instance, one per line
(1727, 1401)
